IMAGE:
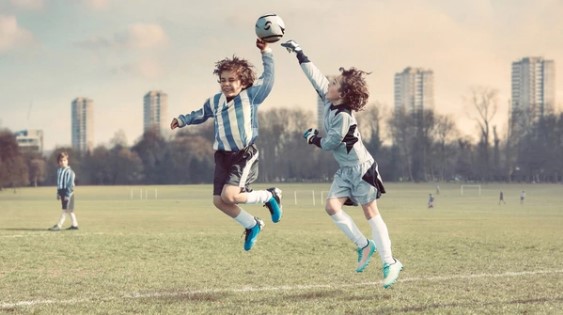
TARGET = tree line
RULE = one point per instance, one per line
(416, 147)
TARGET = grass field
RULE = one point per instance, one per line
(179, 255)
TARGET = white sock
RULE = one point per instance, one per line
(62, 219)
(381, 239)
(245, 219)
(258, 196)
(73, 219)
(345, 223)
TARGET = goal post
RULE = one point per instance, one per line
(464, 188)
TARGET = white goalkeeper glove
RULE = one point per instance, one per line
(292, 46)
(310, 134)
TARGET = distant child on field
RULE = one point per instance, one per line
(234, 111)
(357, 181)
(65, 193)
(522, 196)
(430, 201)
(501, 198)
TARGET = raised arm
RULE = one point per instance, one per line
(315, 76)
(264, 84)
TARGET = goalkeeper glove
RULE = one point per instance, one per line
(310, 134)
(292, 46)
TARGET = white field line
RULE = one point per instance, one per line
(9, 305)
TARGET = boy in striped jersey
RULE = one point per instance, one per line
(234, 111)
(65, 193)
(357, 181)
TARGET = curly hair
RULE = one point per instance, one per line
(353, 88)
(241, 67)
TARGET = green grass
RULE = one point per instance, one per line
(180, 255)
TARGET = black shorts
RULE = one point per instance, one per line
(235, 168)
(66, 204)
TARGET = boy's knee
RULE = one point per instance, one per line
(228, 198)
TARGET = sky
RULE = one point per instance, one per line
(115, 51)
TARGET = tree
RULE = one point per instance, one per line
(485, 102)
(13, 169)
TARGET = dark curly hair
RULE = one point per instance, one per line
(241, 67)
(353, 88)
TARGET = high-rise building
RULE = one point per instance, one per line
(414, 90)
(533, 91)
(30, 140)
(82, 124)
(155, 109)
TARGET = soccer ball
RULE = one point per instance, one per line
(270, 28)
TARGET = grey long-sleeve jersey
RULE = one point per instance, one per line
(342, 138)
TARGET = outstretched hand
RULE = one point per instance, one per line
(174, 124)
(292, 46)
(262, 45)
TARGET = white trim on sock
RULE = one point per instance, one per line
(381, 238)
(245, 219)
(346, 224)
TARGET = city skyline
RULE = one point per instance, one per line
(115, 51)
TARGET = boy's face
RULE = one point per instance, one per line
(230, 84)
(333, 94)
(63, 162)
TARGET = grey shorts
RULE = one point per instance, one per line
(67, 205)
(348, 183)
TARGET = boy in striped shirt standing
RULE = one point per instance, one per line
(65, 193)
(234, 111)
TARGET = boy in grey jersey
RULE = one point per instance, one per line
(357, 181)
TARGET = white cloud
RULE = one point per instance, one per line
(137, 36)
(146, 68)
(28, 4)
(12, 36)
(143, 36)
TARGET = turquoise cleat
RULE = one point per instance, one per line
(252, 234)
(274, 204)
(364, 255)
(391, 273)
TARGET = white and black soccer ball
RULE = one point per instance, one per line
(270, 28)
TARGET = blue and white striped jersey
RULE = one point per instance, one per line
(342, 137)
(65, 180)
(236, 122)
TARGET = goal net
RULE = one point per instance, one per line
(464, 189)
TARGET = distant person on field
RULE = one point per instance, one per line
(357, 181)
(501, 198)
(522, 197)
(437, 189)
(65, 193)
(430, 201)
(234, 110)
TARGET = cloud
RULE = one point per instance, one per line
(12, 36)
(146, 68)
(97, 4)
(137, 36)
(28, 4)
(143, 36)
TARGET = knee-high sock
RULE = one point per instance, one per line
(73, 219)
(245, 219)
(62, 219)
(345, 223)
(258, 196)
(381, 238)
